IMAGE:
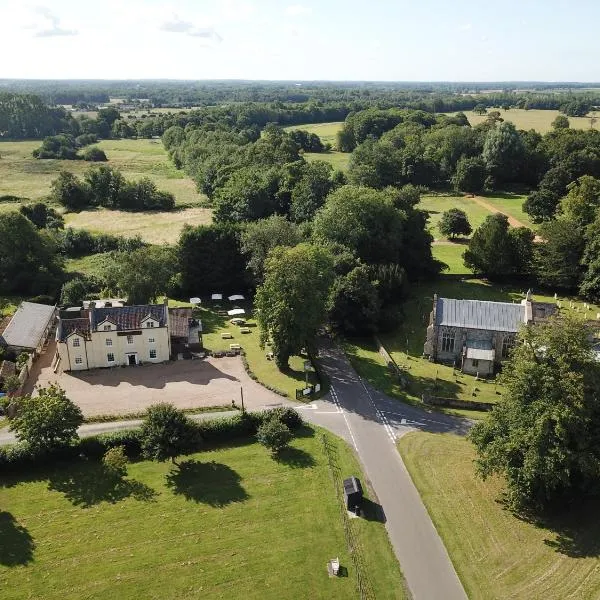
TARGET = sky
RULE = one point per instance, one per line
(376, 40)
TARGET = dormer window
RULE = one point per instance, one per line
(107, 328)
(76, 342)
(150, 324)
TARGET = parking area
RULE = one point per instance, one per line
(184, 383)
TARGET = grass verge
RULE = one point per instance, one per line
(496, 554)
(140, 415)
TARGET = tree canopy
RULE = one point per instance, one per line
(543, 436)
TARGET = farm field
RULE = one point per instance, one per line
(496, 554)
(326, 131)
(540, 120)
(229, 523)
(154, 227)
(338, 160)
(24, 176)
(423, 375)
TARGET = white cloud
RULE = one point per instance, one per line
(297, 10)
(44, 23)
(208, 35)
(465, 27)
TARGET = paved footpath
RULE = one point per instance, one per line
(371, 422)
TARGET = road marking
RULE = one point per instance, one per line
(386, 424)
(404, 419)
(309, 407)
(336, 401)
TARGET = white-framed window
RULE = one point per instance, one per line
(150, 324)
(78, 360)
(110, 357)
(108, 342)
(76, 342)
(475, 362)
(153, 353)
(107, 328)
(130, 339)
(448, 338)
(151, 340)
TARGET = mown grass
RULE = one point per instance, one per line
(511, 205)
(405, 344)
(24, 176)
(451, 254)
(497, 555)
(338, 160)
(229, 523)
(540, 120)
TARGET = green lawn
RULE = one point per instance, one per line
(90, 266)
(22, 175)
(511, 205)
(540, 120)
(229, 523)
(424, 375)
(451, 255)
(495, 554)
(437, 205)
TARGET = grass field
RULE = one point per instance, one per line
(338, 160)
(540, 120)
(22, 175)
(326, 131)
(154, 227)
(229, 523)
(437, 205)
(451, 254)
(422, 374)
(495, 554)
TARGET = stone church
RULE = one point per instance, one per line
(477, 335)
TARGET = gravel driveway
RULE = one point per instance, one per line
(184, 383)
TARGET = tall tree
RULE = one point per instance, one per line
(581, 203)
(260, 237)
(47, 420)
(141, 275)
(543, 436)
(292, 302)
(503, 153)
(28, 261)
(454, 222)
(470, 175)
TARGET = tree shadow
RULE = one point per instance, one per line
(16, 543)
(295, 458)
(576, 529)
(91, 483)
(304, 432)
(209, 483)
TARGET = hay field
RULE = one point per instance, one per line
(540, 120)
(22, 175)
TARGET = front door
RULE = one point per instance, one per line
(131, 360)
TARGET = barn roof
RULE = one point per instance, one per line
(28, 325)
(480, 314)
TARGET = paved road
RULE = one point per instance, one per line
(371, 422)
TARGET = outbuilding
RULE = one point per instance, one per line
(29, 328)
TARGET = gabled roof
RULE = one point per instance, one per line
(480, 314)
(127, 318)
(179, 321)
(28, 325)
(70, 326)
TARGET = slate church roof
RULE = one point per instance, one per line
(480, 314)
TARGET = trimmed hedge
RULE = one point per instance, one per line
(20, 457)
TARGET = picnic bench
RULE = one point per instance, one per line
(235, 347)
(226, 335)
(245, 330)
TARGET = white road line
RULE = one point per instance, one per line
(337, 403)
(389, 412)
(386, 424)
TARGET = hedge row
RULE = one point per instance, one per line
(20, 457)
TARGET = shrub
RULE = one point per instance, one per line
(274, 435)
(115, 461)
(286, 415)
(94, 154)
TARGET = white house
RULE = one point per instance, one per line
(113, 336)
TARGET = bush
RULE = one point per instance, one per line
(115, 461)
(286, 415)
(43, 299)
(274, 435)
(94, 154)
